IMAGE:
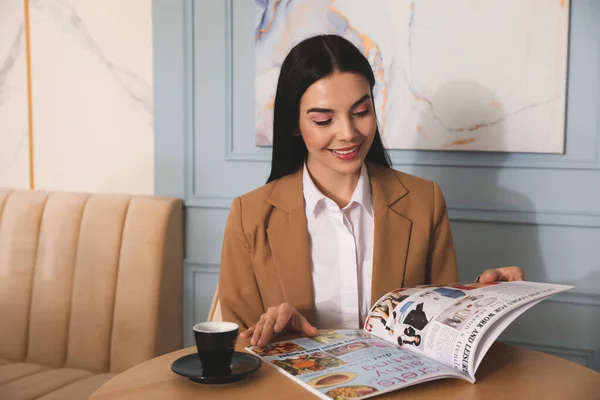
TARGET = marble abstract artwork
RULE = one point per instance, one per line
(92, 97)
(450, 75)
(14, 153)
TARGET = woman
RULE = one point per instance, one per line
(335, 227)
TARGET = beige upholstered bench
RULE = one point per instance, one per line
(90, 285)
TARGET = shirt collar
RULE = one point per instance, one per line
(362, 193)
(312, 195)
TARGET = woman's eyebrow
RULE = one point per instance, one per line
(329, 110)
(319, 110)
(357, 102)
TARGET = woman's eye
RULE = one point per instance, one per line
(362, 113)
(323, 123)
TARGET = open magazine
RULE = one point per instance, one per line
(412, 335)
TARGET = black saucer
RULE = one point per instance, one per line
(190, 366)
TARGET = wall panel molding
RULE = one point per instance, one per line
(172, 49)
(192, 292)
(576, 297)
(202, 267)
(583, 357)
(553, 218)
(455, 158)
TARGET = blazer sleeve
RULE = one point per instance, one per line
(441, 266)
(239, 296)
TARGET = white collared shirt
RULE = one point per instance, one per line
(342, 253)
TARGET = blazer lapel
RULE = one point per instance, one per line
(392, 232)
(289, 242)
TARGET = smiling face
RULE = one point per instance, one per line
(337, 123)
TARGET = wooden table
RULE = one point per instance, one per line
(507, 372)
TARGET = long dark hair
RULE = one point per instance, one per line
(310, 60)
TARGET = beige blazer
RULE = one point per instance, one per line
(266, 258)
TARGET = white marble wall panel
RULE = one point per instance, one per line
(92, 95)
(14, 142)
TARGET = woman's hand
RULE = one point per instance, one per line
(501, 274)
(275, 320)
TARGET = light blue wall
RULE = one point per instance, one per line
(541, 212)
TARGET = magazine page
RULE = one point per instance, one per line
(483, 326)
(350, 364)
(447, 323)
(403, 316)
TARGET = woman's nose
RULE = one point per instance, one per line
(347, 131)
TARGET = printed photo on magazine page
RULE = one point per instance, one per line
(350, 364)
(453, 324)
